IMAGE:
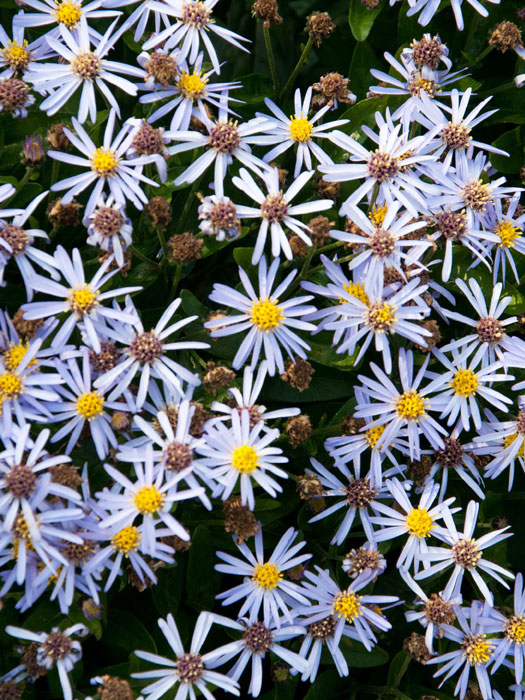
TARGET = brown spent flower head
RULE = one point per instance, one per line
(33, 668)
(320, 228)
(419, 469)
(298, 374)
(352, 425)
(64, 214)
(13, 94)
(66, 475)
(334, 87)
(505, 35)
(216, 316)
(217, 377)
(309, 486)
(427, 51)
(432, 340)
(298, 430)
(114, 688)
(162, 68)
(178, 544)
(326, 189)
(158, 211)
(319, 26)
(56, 137)
(239, 519)
(267, 11)
(148, 140)
(107, 221)
(135, 581)
(417, 648)
(121, 421)
(370, 4)
(473, 692)
(184, 246)
(298, 246)
(9, 690)
(25, 328)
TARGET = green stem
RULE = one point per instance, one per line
(482, 55)
(293, 76)
(470, 38)
(141, 256)
(271, 59)
(164, 246)
(375, 192)
(187, 206)
(176, 280)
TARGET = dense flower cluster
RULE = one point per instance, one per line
(390, 252)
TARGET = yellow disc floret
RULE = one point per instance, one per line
(515, 629)
(89, 405)
(244, 459)
(377, 215)
(68, 13)
(191, 85)
(267, 576)
(10, 386)
(508, 233)
(126, 540)
(477, 649)
(82, 300)
(509, 439)
(148, 500)
(266, 315)
(419, 523)
(356, 290)
(410, 406)
(347, 604)
(300, 129)
(372, 435)
(104, 162)
(14, 356)
(465, 383)
(17, 56)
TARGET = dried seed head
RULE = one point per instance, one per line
(66, 475)
(427, 51)
(309, 486)
(326, 189)
(506, 35)
(352, 425)
(419, 469)
(298, 374)
(13, 94)
(320, 227)
(106, 359)
(158, 212)
(431, 340)
(148, 140)
(184, 246)
(78, 554)
(334, 87)
(451, 455)
(217, 377)
(56, 137)
(64, 214)
(239, 519)
(25, 328)
(114, 689)
(319, 26)
(15, 237)
(267, 11)
(10, 690)
(298, 246)
(417, 647)
(298, 430)
(162, 67)
(29, 660)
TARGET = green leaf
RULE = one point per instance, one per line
(327, 685)
(512, 142)
(398, 667)
(358, 657)
(203, 581)
(361, 19)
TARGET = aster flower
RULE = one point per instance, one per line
(193, 23)
(81, 299)
(218, 217)
(504, 441)
(55, 649)
(79, 403)
(67, 13)
(106, 166)
(476, 652)
(190, 670)
(257, 639)
(265, 586)
(223, 141)
(428, 9)
(507, 229)
(109, 228)
(401, 411)
(241, 453)
(438, 610)
(82, 66)
(416, 522)
(17, 53)
(147, 354)
(188, 95)
(298, 131)
(463, 383)
(489, 335)
(268, 320)
(456, 458)
(276, 211)
(345, 606)
(466, 554)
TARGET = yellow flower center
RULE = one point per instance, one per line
(82, 300)
(10, 386)
(509, 439)
(515, 629)
(372, 435)
(464, 383)
(104, 162)
(356, 290)
(508, 233)
(244, 459)
(377, 215)
(14, 356)
(89, 405)
(266, 576)
(477, 649)
(191, 85)
(347, 604)
(68, 13)
(410, 406)
(419, 523)
(266, 314)
(126, 540)
(300, 129)
(148, 499)
(380, 316)
(16, 55)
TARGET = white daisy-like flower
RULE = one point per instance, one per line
(298, 130)
(55, 649)
(428, 9)
(276, 211)
(67, 13)
(17, 53)
(193, 24)
(218, 217)
(109, 228)
(264, 584)
(466, 555)
(507, 235)
(82, 66)
(240, 453)
(456, 458)
(268, 320)
(81, 299)
(106, 165)
(190, 670)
